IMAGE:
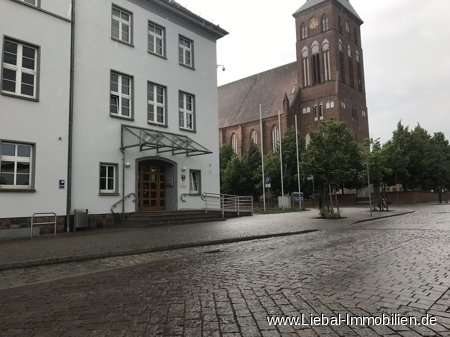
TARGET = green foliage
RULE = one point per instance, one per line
(226, 154)
(328, 213)
(418, 160)
(289, 149)
(332, 155)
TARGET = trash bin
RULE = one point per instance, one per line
(80, 219)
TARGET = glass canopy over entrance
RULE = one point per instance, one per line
(162, 142)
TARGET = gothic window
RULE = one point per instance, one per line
(355, 36)
(304, 31)
(347, 27)
(340, 24)
(359, 71)
(305, 67)
(234, 143)
(316, 113)
(275, 138)
(326, 60)
(341, 62)
(254, 137)
(321, 112)
(350, 68)
(325, 26)
(315, 63)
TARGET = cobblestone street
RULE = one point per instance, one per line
(398, 265)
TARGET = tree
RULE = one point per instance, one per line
(226, 154)
(289, 147)
(252, 164)
(376, 160)
(332, 157)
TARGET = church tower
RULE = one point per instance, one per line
(330, 67)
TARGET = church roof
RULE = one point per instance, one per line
(239, 101)
(312, 3)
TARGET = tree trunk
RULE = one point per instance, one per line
(337, 203)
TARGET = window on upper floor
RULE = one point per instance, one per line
(326, 60)
(340, 24)
(19, 69)
(16, 166)
(304, 31)
(315, 60)
(121, 95)
(350, 68)
(108, 178)
(186, 52)
(355, 36)
(156, 39)
(186, 108)
(156, 104)
(325, 25)
(305, 67)
(121, 25)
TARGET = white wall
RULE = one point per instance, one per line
(97, 135)
(42, 122)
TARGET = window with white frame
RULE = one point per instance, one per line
(185, 52)
(156, 39)
(156, 104)
(121, 26)
(16, 165)
(186, 106)
(121, 95)
(194, 181)
(19, 70)
(108, 178)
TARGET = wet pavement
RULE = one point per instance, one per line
(393, 266)
(118, 242)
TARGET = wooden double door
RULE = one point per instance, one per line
(151, 187)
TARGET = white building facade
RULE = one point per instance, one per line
(137, 121)
(34, 105)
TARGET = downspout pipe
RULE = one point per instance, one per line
(71, 104)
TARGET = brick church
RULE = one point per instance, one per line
(326, 82)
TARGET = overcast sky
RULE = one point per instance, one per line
(406, 46)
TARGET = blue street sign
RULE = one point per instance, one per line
(267, 182)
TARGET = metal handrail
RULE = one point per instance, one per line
(129, 195)
(227, 203)
(42, 223)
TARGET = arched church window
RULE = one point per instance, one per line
(315, 63)
(325, 26)
(254, 137)
(326, 59)
(275, 138)
(305, 67)
(234, 143)
(304, 31)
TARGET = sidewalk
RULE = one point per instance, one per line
(124, 241)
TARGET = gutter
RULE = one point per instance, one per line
(70, 131)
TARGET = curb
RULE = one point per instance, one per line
(384, 217)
